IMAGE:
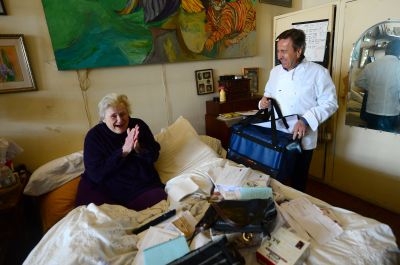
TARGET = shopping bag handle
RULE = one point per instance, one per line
(275, 107)
(267, 115)
(292, 146)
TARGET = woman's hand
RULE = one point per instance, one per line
(131, 141)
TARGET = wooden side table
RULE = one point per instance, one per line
(219, 129)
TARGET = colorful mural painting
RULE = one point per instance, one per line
(105, 33)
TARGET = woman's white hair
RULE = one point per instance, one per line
(113, 100)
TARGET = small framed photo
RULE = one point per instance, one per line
(204, 81)
(2, 9)
(15, 71)
(252, 74)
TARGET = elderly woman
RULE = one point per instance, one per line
(119, 155)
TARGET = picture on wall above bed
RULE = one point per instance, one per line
(103, 33)
(15, 71)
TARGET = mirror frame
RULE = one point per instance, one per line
(360, 56)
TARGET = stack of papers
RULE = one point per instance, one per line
(240, 183)
(283, 248)
(309, 221)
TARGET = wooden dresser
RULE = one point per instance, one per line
(220, 129)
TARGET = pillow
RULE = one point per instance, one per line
(214, 143)
(54, 174)
(181, 150)
(56, 204)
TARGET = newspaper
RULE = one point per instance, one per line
(240, 183)
(233, 182)
(307, 218)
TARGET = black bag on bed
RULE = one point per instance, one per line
(266, 149)
(246, 216)
(218, 251)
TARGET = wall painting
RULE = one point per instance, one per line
(105, 33)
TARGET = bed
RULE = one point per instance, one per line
(102, 234)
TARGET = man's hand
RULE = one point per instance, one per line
(299, 130)
(265, 103)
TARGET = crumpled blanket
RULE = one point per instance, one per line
(100, 234)
(94, 235)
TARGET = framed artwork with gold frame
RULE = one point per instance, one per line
(252, 74)
(15, 71)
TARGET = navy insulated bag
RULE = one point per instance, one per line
(265, 149)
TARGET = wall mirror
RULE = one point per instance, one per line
(374, 79)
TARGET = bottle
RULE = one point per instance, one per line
(222, 94)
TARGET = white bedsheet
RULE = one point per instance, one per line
(101, 234)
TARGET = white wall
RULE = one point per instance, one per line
(53, 121)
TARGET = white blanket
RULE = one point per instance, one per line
(102, 234)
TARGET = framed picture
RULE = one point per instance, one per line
(2, 8)
(252, 74)
(15, 71)
(285, 3)
(204, 81)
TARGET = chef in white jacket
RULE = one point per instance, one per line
(303, 88)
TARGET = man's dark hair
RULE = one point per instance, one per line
(298, 38)
(393, 48)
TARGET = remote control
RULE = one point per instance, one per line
(154, 222)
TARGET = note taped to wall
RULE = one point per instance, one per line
(316, 34)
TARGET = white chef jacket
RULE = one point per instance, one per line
(382, 81)
(306, 90)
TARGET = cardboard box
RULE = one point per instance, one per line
(283, 248)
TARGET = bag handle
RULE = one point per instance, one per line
(271, 115)
(267, 114)
(275, 106)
